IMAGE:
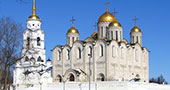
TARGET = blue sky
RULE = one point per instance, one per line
(154, 17)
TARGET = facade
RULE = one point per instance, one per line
(33, 68)
(104, 56)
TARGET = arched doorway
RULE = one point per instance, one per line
(71, 77)
(59, 78)
(101, 77)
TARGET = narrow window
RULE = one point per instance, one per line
(28, 41)
(111, 35)
(116, 35)
(133, 39)
(38, 41)
(113, 51)
(90, 50)
(59, 55)
(101, 31)
(39, 59)
(73, 39)
(68, 54)
(79, 53)
(136, 39)
(26, 59)
(101, 50)
(68, 40)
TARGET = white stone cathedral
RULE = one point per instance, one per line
(104, 56)
(33, 69)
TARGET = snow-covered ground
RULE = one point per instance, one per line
(114, 85)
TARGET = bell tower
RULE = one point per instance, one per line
(33, 41)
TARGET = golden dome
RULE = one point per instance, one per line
(72, 30)
(114, 23)
(106, 17)
(89, 39)
(33, 17)
(135, 29)
(93, 35)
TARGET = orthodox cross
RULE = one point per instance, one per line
(135, 20)
(107, 4)
(72, 20)
(115, 12)
(95, 25)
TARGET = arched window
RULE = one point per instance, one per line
(113, 51)
(133, 39)
(137, 39)
(79, 53)
(101, 31)
(58, 55)
(26, 59)
(38, 41)
(111, 34)
(101, 50)
(68, 54)
(39, 59)
(90, 50)
(73, 39)
(28, 41)
(116, 35)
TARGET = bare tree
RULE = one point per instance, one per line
(10, 48)
(158, 80)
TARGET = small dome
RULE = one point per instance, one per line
(106, 17)
(89, 39)
(33, 17)
(115, 23)
(73, 30)
(135, 29)
(94, 34)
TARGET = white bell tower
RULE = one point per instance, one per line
(34, 41)
(33, 68)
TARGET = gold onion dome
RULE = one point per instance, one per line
(106, 17)
(114, 23)
(94, 34)
(135, 29)
(73, 30)
(33, 16)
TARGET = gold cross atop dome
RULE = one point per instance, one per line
(34, 16)
(72, 20)
(135, 20)
(107, 16)
(107, 4)
(73, 29)
(135, 28)
(115, 12)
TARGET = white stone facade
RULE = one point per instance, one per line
(32, 69)
(111, 58)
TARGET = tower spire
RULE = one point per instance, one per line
(34, 8)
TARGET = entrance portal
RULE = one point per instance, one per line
(71, 78)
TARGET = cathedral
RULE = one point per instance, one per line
(103, 56)
(33, 69)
